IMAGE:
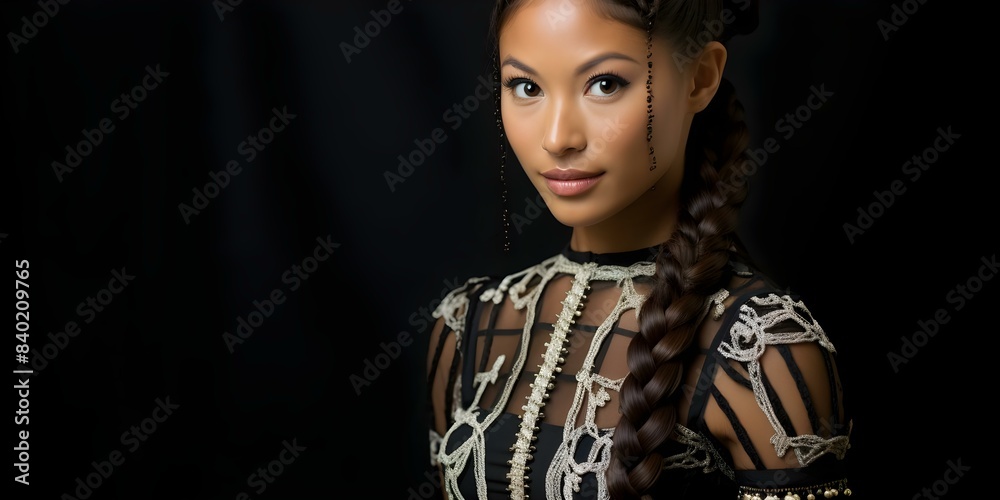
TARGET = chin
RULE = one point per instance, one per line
(568, 216)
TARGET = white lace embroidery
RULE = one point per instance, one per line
(750, 337)
(434, 445)
(700, 454)
(453, 307)
(453, 463)
(544, 380)
(565, 475)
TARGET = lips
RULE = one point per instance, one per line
(570, 182)
(568, 174)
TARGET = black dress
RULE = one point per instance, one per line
(524, 373)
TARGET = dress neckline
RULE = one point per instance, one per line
(625, 258)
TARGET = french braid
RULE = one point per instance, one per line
(690, 266)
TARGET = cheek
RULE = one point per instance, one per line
(667, 125)
(521, 135)
(620, 137)
(624, 130)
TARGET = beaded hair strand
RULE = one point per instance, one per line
(650, 16)
(505, 203)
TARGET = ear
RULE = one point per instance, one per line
(704, 75)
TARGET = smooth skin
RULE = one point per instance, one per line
(574, 96)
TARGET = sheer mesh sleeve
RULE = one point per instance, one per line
(441, 357)
(775, 405)
(444, 360)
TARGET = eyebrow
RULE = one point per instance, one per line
(580, 70)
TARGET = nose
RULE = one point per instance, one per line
(563, 130)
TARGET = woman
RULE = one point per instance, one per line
(649, 358)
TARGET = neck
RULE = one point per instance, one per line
(647, 222)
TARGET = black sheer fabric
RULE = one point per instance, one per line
(762, 408)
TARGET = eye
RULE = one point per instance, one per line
(604, 87)
(522, 88)
(526, 89)
(606, 84)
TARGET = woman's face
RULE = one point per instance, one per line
(574, 107)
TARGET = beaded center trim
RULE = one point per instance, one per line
(544, 382)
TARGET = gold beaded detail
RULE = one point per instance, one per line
(552, 360)
(826, 490)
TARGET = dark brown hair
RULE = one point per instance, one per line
(692, 264)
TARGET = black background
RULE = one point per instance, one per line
(400, 248)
